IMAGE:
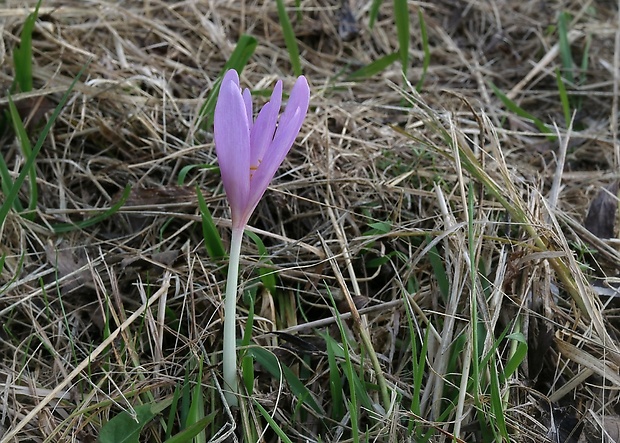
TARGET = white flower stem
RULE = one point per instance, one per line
(229, 359)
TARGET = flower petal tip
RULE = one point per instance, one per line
(231, 76)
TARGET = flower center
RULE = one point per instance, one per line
(253, 169)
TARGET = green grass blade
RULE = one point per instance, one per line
(379, 228)
(583, 71)
(186, 169)
(68, 227)
(563, 98)
(426, 61)
(353, 381)
(24, 142)
(354, 412)
(22, 55)
(173, 412)
(196, 411)
(267, 276)
(272, 423)
(474, 323)
(12, 195)
(190, 432)
(241, 54)
(518, 356)
(419, 366)
(247, 332)
(439, 271)
(335, 382)
(213, 241)
(185, 395)
(497, 405)
(270, 362)
(401, 17)
(565, 53)
(126, 428)
(360, 389)
(513, 107)
(298, 8)
(374, 12)
(247, 373)
(289, 38)
(368, 349)
(374, 68)
(7, 184)
(238, 59)
(123, 428)
(247, 360)
(584, 60)
(418, 378)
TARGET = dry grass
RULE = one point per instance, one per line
(101, 320)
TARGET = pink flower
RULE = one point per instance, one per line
(251, 151)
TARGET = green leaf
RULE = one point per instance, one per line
(237, 61)
(497, 406)
(213, 241)
(513, 107)
(196, 411)
(348, 370)
(379, 228)
(12, 195)
(190, 432)
(272, 423)
(374, 68)
(418, 367)
(289, 38)
(185, 394)
(374, 12)
(247, 373)
(125, 428)
(267, 276)
(185, 170)
(7, 184)
(247, 360)
(249, 324)
(298, 7)
(439, 271)
(68, 227)
(270, 362)
(335, 382)
(22, 55)
(376, 262)
(565, 52)
(518, 356)
(563, 97)
(24, 142)
(426, 62)
(241, 54)
(173, 412)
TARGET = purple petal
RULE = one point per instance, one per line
(232, 144)
(261, 133)
(247, 99)
(299, 99)
(288, 129)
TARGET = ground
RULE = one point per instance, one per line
(435, 259)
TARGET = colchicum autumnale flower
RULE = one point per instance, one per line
(249, 153)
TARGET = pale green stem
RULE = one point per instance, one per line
(229, 358)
